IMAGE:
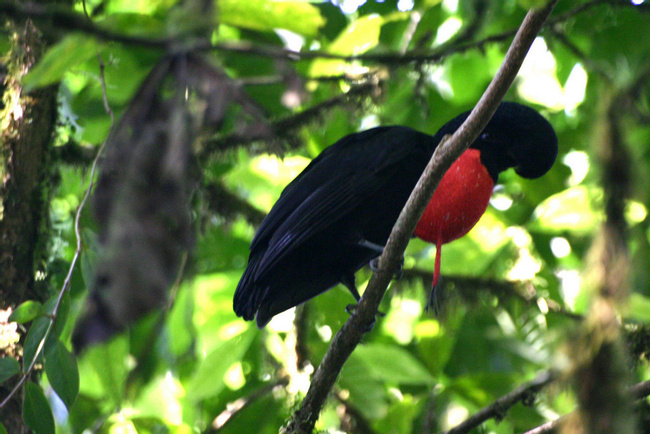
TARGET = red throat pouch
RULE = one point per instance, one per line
(457, 204)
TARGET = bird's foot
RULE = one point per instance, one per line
(350, 308)
(436, 299)
(374, 266)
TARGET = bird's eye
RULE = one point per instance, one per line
(485, 136)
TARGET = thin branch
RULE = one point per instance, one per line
(227, 204)
(524, 393)
(589, 64)
(548, 427)
(637, 392)
(236, 407)
(345, 341)
(360, 424)
(67, 19)
(287, 124)
(467, 288)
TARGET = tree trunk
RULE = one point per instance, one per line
(26, 131)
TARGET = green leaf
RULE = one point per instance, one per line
(638, 307)
(133, 24)
(367, 393)
(469, 74)
(392, 364)
(209, 378)
(62, 372)
(532, 4)
(61, 313)
(34, 337)
(359, 37)
(89, 256)
(3, 430)
(36, 410)
(110, 362)
(298, 17)
(8, 368)
(61, 58)
(575, 209)
(26, 312)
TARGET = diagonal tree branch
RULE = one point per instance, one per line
(361, 320)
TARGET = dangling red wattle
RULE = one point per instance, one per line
(436, 268)
(457, 204)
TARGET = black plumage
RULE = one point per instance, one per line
(333, 217)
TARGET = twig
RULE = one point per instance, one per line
(65, 18)
(499, 407)
(358, 421)
(468, 286)
(227, 204)
(304, 419)
(287, 124)
(590, 64)
(637, 392)
(548, 427)
(241, 404)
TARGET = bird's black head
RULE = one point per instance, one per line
(516, 136)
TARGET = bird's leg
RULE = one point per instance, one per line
(374, 266)
(374, 263)
(372, 246)
(349, 282)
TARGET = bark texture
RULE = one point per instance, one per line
(26, 130)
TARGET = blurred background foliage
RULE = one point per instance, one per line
(514, 287)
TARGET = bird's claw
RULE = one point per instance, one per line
(374, 266)
(350, 308)
(435, 301)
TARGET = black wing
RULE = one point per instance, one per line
(333, 186)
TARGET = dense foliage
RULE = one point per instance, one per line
(516, 289)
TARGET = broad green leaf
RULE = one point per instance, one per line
(8, 368)
(532, 4)
(469, 74)
(138, 6)
(181, 331)
(33, 340)
(3, 430)
(109, 361)
(393, 365)
(638, 307)
(61, 313)
(134, 24)
(367, 393)
(360, 36)
(209, 378)
(580, 209)
(73, 50)
(36, 410)
(62, 372)
(575, 209)
(26, 312)
(89, 256)
(298, 17)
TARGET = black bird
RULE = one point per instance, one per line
(336, 215)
